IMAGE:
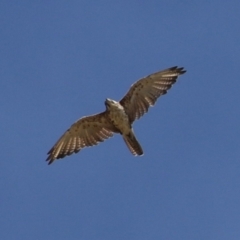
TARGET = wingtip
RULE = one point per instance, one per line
(173, 68)
(180, 70)
(49, 160)
(183, 71)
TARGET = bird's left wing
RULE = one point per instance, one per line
(146, 91)
(86, 132)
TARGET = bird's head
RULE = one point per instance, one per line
(109, 103)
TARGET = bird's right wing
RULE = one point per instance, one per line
(86, 132)
(145, 92)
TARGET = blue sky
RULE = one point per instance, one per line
(60, 60)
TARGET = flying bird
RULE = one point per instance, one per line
(118, 116)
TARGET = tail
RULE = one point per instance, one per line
(132, 143)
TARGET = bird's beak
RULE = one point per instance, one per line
(107, 101)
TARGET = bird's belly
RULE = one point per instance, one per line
(120, 120)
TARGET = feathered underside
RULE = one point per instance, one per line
(89, 131)
(86, 132)
(145, 92)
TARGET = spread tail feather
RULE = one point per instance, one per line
(133, 144)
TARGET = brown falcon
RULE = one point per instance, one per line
(118, 116)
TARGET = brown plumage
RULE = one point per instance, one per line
(133, 144)
(118, 117)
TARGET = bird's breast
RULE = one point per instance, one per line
(120, 120)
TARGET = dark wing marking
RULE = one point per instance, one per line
(86, 132)
(146, 91)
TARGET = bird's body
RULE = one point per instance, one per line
(120, 120)
(117, 118)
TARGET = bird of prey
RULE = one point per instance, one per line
(118, 116)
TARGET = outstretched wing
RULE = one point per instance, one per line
(146, 91)
(86, 132)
